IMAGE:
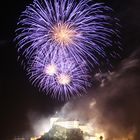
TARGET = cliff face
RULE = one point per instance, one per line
(61, 133)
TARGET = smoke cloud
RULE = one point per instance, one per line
(114, 107)
(118, 102)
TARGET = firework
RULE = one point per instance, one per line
(63, 78)
(83, 29)
(61, 40)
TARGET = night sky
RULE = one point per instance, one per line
(18, 98)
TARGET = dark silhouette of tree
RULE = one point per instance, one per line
(101, 137)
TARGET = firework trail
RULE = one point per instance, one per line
(61, 76)
(82, 29)
(61, 40)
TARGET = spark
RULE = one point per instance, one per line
(50, 69)
(64, 79)
(63, 34)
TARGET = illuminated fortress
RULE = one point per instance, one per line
(63, 127)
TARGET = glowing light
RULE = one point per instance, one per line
(50, 69)
(92, 104)
(100, 135)
(63, 34)
(64, 79)
(35, 138)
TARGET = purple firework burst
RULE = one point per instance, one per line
(60, 41)
(61, 76)
(83, 29)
